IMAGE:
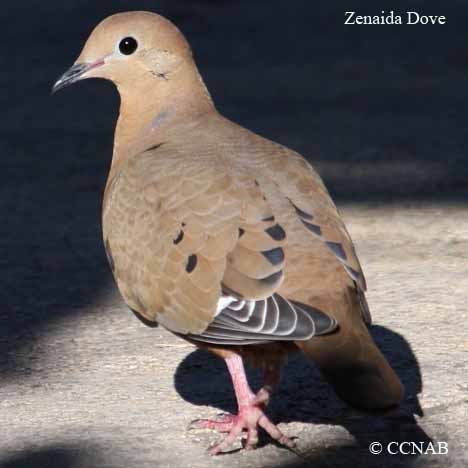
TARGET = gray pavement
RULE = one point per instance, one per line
(100, 389)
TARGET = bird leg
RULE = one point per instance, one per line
(250, 414)
(271, 379)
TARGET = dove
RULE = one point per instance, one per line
(225, 238)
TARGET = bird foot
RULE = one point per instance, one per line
(251, 414)
(249, 419)
(223, 423)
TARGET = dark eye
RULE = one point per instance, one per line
(128, 45)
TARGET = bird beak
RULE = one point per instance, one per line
(75, 73)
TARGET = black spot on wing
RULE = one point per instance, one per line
(337, 249)
(272, 279)
(268, 219)
(241, 232)
(276, 232)
(356, 275)
(154, 147)
(191, 263)
(274, 256)
(148, 323)
(312, 227)
(179, 237)
(303, 214)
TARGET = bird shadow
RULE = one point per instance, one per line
(303, 396)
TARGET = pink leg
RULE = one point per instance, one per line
(223, 423)
(250, 415)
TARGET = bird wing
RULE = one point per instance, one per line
(199, 251)
(290, 174)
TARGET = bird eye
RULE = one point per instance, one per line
(128, 45)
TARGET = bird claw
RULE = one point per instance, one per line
(192, 425)
(222, 423)
(249, 419)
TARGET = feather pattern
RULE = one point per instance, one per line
(273, 319)
(352, 267)
(219, 248)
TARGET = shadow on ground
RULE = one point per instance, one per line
(346, 456)
(202, 379)
(55, 456)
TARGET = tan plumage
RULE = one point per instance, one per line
(220, 235)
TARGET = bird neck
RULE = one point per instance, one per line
(152, 105)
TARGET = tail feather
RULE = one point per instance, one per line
(351, 362)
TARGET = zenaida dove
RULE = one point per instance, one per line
(223, 237)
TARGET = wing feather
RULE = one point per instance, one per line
(203, 253)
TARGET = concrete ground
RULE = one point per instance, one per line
(102, 390)
(83, 384)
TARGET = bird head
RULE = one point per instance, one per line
(128, 47)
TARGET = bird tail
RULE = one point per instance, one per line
(351, 362)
